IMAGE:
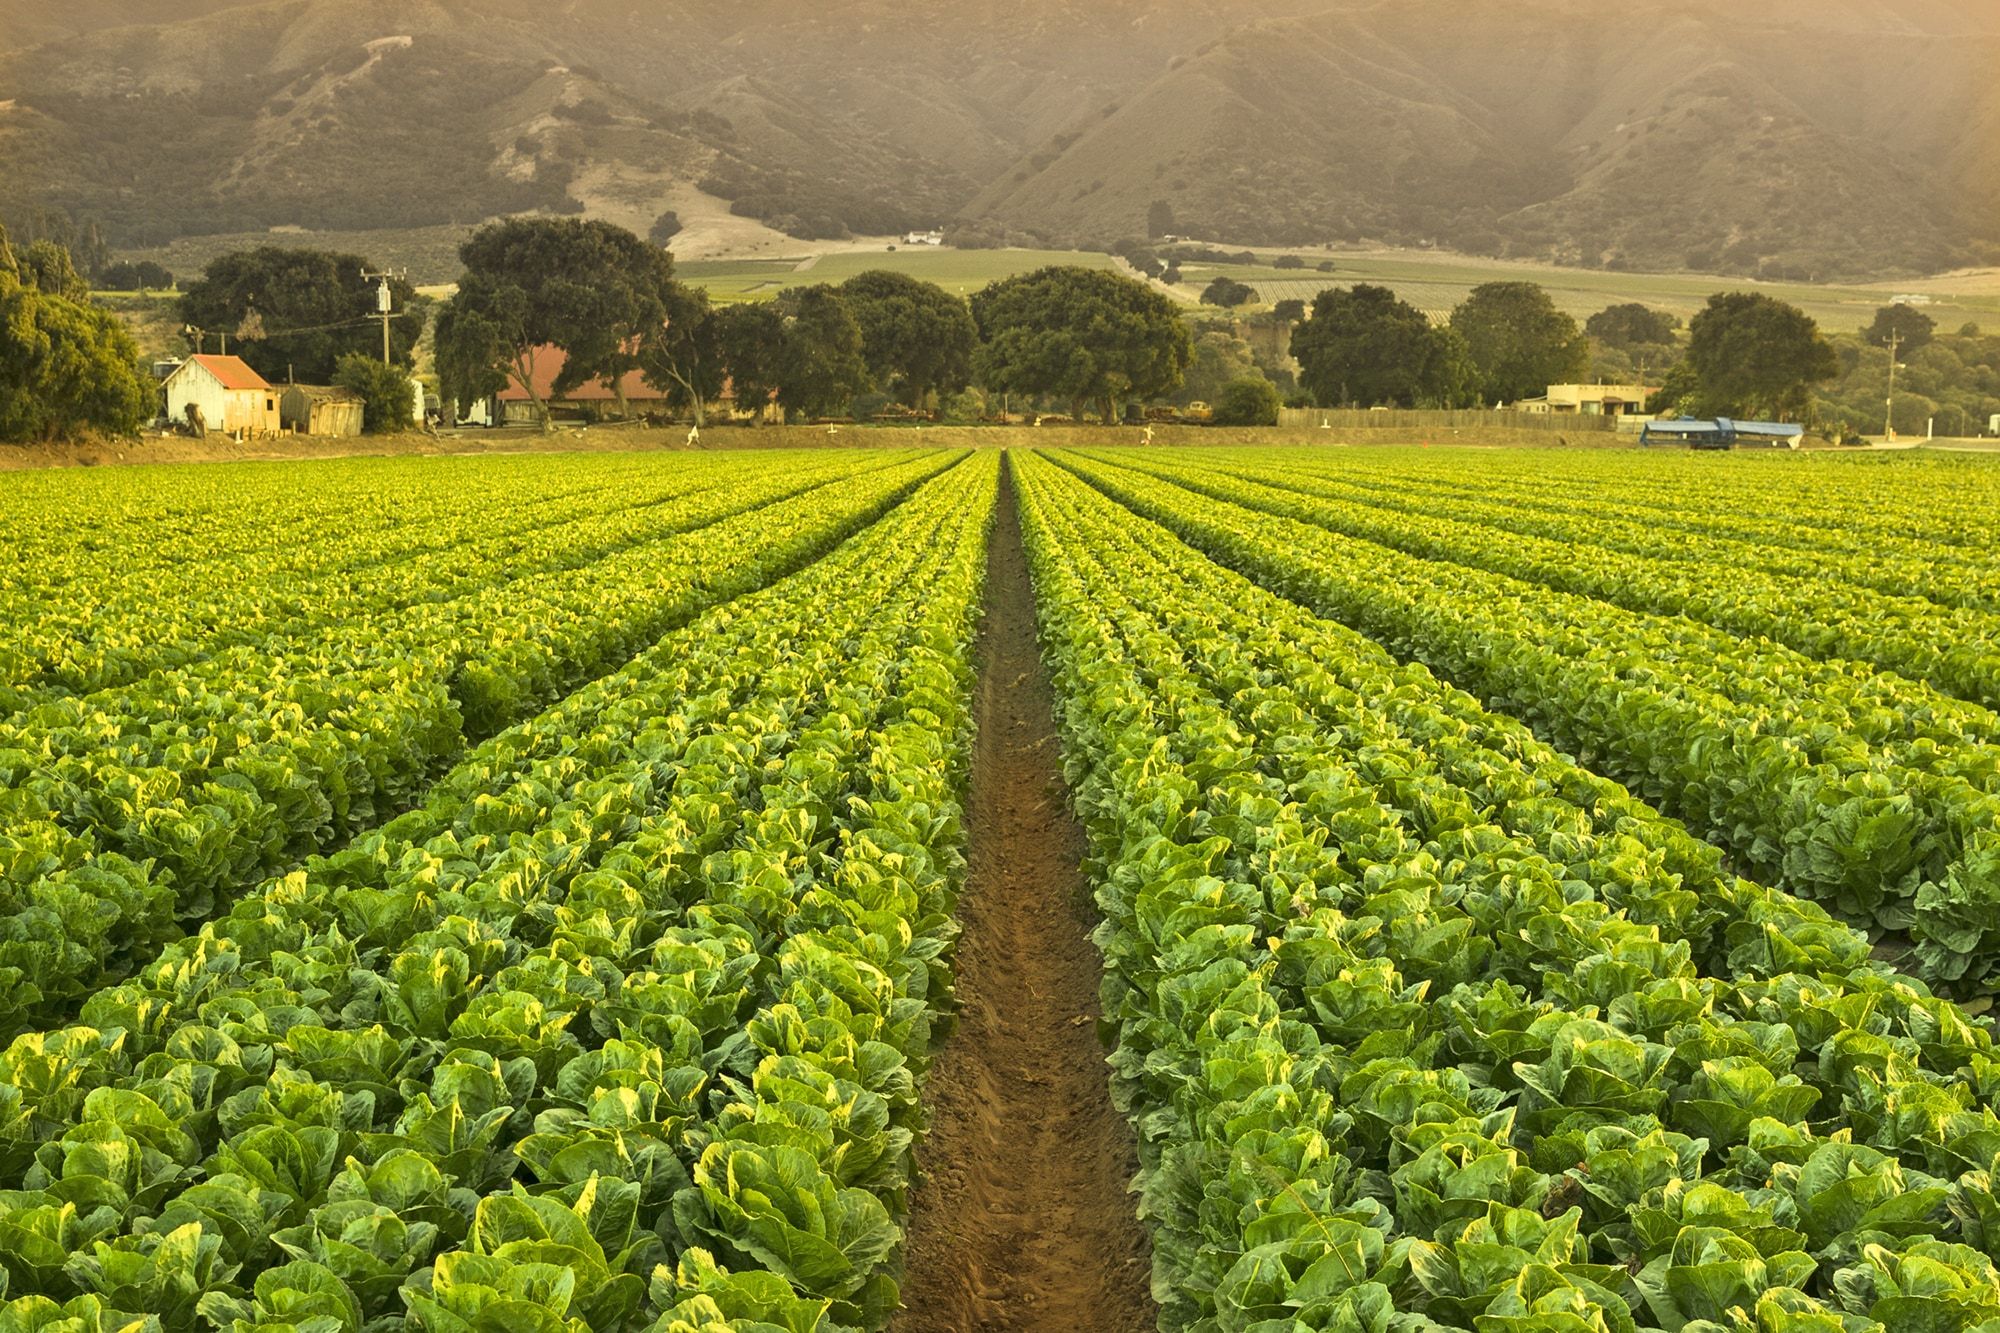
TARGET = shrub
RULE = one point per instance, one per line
(1228, 293)
(388, 394)
(1246, 402)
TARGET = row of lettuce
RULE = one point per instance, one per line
(1733, 513)
(1422, 1025)
(1953, 648)
(1911, 507)
(122, 573)
(134, 812)
(1868, 792)
(621, 1029)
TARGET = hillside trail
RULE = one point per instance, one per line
(1022, 1221)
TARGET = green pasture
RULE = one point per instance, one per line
(960, 271)
(1438, 284)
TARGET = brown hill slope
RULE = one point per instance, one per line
(1836, 137)
(1829, 139)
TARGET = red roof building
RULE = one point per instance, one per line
(226, 394)
(545, 363)
(232, 372)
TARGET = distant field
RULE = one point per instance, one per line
(960, 271)
(1437, 283)
(428, 254)
(1432, 282)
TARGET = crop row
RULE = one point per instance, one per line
(92, 619)
(623, 1024)
(1853, 788)
(1421, 1025)
(124, 815)
(1848, 502)
(1602, 511)
(113, 581)
(1956, 649)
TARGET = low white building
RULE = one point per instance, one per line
(231, 396)
(1589, 400)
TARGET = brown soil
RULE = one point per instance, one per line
(616, 439)
(1022, 1220)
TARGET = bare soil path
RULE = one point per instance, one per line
(1022, 1222)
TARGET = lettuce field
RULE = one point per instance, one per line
(1214, 890)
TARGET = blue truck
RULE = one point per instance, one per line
(1721, 433)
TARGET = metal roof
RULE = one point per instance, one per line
(232, 371)
(1688, 426)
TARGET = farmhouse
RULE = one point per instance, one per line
(924, 238)
(314, 409)
(1589, 400)
(229, 395)
(516, 406)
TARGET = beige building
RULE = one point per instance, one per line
(230, 396)
(1589, 400)
(315, 409)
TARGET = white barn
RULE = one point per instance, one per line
(232, 397)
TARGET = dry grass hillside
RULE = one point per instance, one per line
(1829, 138)
(1789, 138)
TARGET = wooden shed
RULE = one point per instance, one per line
(318, 409)
(231, 396)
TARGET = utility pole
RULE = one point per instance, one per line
(385, 304)
(1889, 426)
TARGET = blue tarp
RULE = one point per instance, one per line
(1722, 430)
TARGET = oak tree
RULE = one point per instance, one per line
(1751, 353)
(1519, 341)
(1081, 336)
(918, 339)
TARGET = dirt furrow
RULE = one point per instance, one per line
(1022, 1221)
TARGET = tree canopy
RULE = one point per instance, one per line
(748, 340)
(682, 356)
(1632, 325)
(295, 313)
(140, 277)
(820, 362)
(1362, 346)
(1519, 342)
(1220, 359)
(593, 290)
(1908, 326)
(1250, 401)
(918, 338)
(47, 267)
(473, 349)
(1080, 335)
(1751, 353)
(388, 394)
(66, 367)
(1228, 293)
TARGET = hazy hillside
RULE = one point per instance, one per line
(1829, 138)
(1832, 137)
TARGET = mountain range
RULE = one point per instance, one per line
(1796, 138)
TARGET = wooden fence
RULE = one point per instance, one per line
(1309, 418)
